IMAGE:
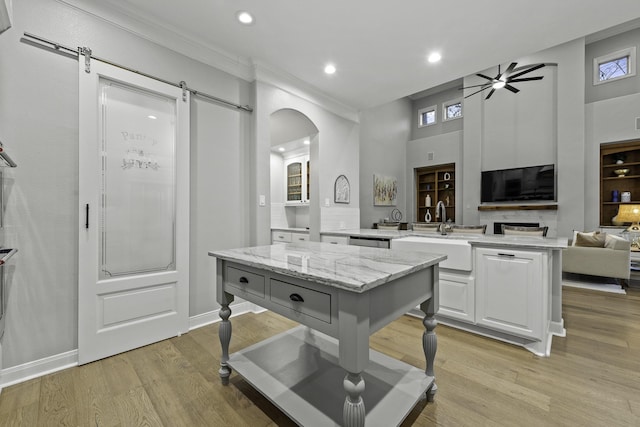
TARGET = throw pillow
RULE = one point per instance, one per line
(591, 240)
(589, 233)
(616, 242)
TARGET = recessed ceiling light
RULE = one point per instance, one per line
(330, 69)
(152, 117)
(306, 142)
(244, 17)
(281, 149)
(434, 57)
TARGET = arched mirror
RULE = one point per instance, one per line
(292, 137)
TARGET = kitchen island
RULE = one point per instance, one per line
(323, 373)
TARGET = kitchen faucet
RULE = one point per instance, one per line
(441, 213)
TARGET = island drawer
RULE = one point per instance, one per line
(245, 282)
(302, 300)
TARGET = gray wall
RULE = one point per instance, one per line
(384, 132)
(440, 126)
(39, 127)
(613, 89)
(333, 152)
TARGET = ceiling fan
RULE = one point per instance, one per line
(504, 79)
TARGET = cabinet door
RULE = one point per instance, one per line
(457, 297)
(509, 291)
(293, 172)
(297, 180)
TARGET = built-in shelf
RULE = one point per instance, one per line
(613, 156)
(532, 207)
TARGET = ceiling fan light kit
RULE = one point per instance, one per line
(504, 79)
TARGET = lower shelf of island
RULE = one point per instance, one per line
(298, 372)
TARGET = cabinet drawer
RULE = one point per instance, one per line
(299, 237)
(334, 240)
(281, 236)
(245, 282)
(313, 303)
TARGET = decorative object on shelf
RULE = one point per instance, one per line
(396, 215)
(503, 79)
(447, 201)
(625, 197)
(615, 196)
(341, 190)
(427, 201)
(630, 213)
(446, 176)
(427, 216)
(620, 158)
(621, 172)
(385, 190)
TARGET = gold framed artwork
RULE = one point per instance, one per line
(385, 190)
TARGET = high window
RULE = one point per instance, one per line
(427, 116)
(452, 110)
(614, 66)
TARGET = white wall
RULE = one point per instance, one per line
(567, 125)
(333, 152)
(384, 132)
(445, 148)
(609, 120)
(39, 127)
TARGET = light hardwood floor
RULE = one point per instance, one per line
(591, 379)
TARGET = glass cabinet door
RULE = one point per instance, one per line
(294, 182)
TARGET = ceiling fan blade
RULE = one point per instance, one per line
(533, 68)
(511, 88)
(525, 79)
(478, 91)
(510, 68)
(490, 93)
(484, 77)
(483, 84)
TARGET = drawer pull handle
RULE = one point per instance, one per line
(501, 254)
(300, 238)
(296, 298)
(244, 280)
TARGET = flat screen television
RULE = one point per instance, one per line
(532, 183)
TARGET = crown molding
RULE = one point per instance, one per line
(267, 73)
(171, 38)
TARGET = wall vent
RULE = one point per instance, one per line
(430, 155)
(637, 123)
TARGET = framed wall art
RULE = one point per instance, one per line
(385, 190)
(341, 190)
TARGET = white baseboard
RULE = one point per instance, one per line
(38, 368)
(58, 362)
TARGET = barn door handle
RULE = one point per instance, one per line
(86, 216)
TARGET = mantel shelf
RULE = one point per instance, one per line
(533, 207)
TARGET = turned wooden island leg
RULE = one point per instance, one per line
(430, 346)
(224, 332)
(353, 413)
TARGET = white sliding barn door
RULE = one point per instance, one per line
(133, 278)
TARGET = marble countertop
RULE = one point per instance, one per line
(353, 268)
(294, 229)
(474, 239)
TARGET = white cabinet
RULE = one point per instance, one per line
(457, 296)
(334, 240)
(296, 172)
(510, 289)
(279, 236)
(299, 237)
